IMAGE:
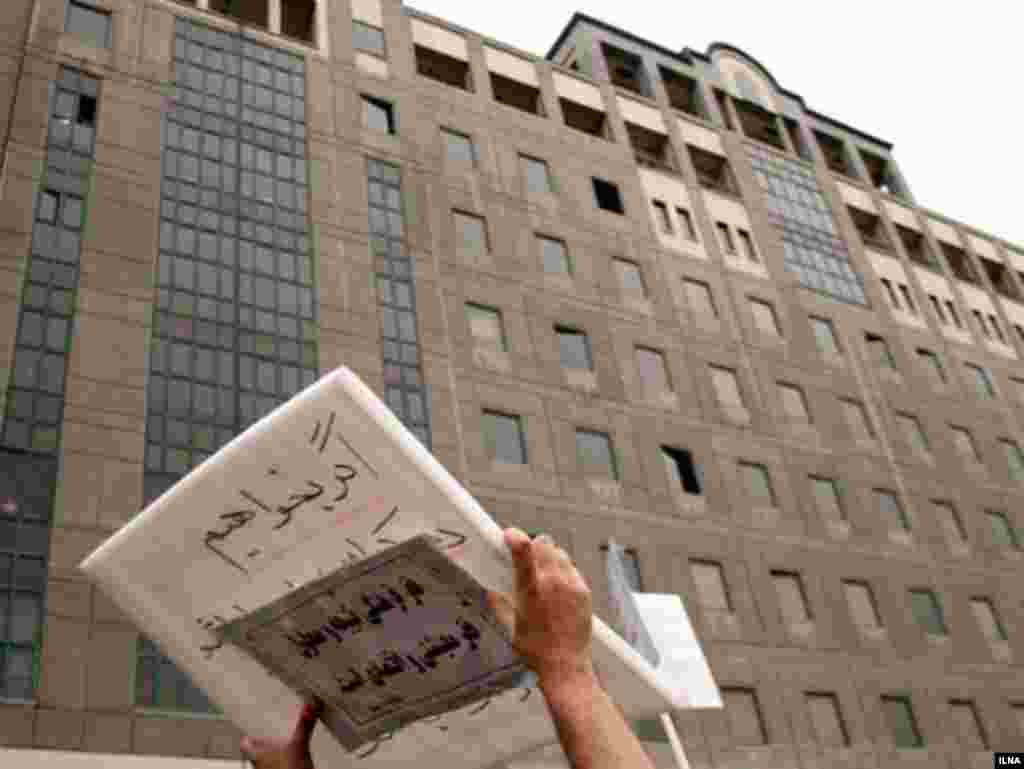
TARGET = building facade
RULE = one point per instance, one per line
(619, 291)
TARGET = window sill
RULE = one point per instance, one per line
(662, 400)
(582, 380)
(689, 505)
(189, 714)
(485, 357)
(638, 304)
(606, 491)
(13, 701)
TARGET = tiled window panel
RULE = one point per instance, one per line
(235, 325)
(404, 389)
(35, 397)
(796, 206)
(27, 484)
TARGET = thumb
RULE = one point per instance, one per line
(307, 723)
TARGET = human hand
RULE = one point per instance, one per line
(550, 622)
(291, 754)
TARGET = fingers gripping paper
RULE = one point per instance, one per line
(329, 480)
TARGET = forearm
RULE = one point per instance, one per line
(593, 733)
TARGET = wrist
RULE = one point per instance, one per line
(559, 680)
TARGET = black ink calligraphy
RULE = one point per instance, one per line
(236, 520)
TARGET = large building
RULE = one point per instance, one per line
(620, 292)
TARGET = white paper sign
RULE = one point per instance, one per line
(624, 602)
(329, 478)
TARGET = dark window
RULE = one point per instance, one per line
(879, 351)
(516, 94)
(959, 263)
(89, 24)
(607, 195)
(368, 39)
(871, 230)
(626, 70)
(748, 245)
(916, 247)
(664, 218)
(687, 220)
(443, 68)
(378, 115)
(250, 12)
(882, 174)
(759, 124)
(683, 93)
(725, 238)
(713, 171)
(680, 462)
(834, 150)
(298, 20)
(585, 119)
(650, 148)
(797, 138)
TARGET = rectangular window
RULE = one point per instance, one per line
(878, 350)
(980, 320)
(928, 611)
(686, 220)
(899, 714)
(712, 589)
(937, 307)
(747, 242)
(682, 468)
(951, 309)
(683, 92)
(608, 196)
(595, 453)
(459, 147)
(1014, 459)
(827, 719)
(631, 567)
(825, 337)
(471, 231)
(538, 180)
(857, 420)
(988, 620)
(574, 348)
(969, 732)
(626, 70)
(993, 321)
(758, 483)
(653, 371)
(298, 20)
(503, 436)
(863, 608)
(964, 444)
(368, 39)
(826, 497)
(727, 388)
(890, 293)
(713, 171)
(514, 93)
(908, 299)
(950, 521)
(764, 317)
(911, 427)
(746, 724)
(443, 68)
(486, 327)
(1003, 533)
(554, 256)
(725, 238)
(794, 403)
(378, 115)
(789, 588)
(891, 509)
(88, 24)
(663, 216)
(630, 278)
(580, 117)
(700, 298)
(932, 364)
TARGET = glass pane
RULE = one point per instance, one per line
(536, 175)
(758, 483)
(653, 373)
(927, 611)
(594, 451)
(460, 147)
(377, 116)
(504, 438)
(554, 256)
(901, 721)
(89, 25)
(575, 351)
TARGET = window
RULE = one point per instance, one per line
(574, 348)
(908, 299)
(514, 93)
(758, 483)
(794, 403)
(723, 109)
(88, 24)
(917, 247)
(937, 307)
(863, 608)
(878, 350)
(951, 309)
(653, 371)
(993, 321)
(443, 68)
(727, 388)
(748, 246)
(651, 149)
(713, 171)
(378, 115)
(554, 255)
(725, 238)
(689, 230)
(712, 589)
(824, 337)
(826, 497)
(967, 726)
(965, 446)
(746, 724)
(626, 70)
(630, 278)
(891, 509)
(796, 136)
(900, 716)
(759, 124)
(857, 420)
(538, 180)
(988, 619)
(764, 317)
(827, 719)
(471, 231)
(882, 174)
(1003, 533)
(911, 427)
(368, 39)
(503, 437)
(959, 263)
(700, 298)
(871, 230)
(928, 611)
(607, 196)
(459, 147)
(298, 20)
(595, 453)
(663, 216)
(834, 150)
(789, 588)
(682, 468)
(486, 327)
(160, 684)
(933, 365)
(683, 92)
(950, 521)
(586, 119)
(1001, 278)
(980, 320)
(1014, 459)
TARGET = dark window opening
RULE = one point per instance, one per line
(443, 68)
(513, 93)
(882, 174)
(1001, 279)
(651, 149)
(683, 93)
(251, 12)
(959, 262)
(586, 119)
(797, 138)
(378, 115)
(298, 20)
(713, 171)
(626, 70)
(871, 230)
(917, 248)
(687, 221)
(723, 108)
(608, 196)
(686, 470)
(759, 124)
(834, 150)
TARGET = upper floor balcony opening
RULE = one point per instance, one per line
(959, 263)
(836, 156)
(917, 247)
(297, 20)
(871, 229)
(759, 124)
(651, 149)
(882, 174)
(683, 93)
(443, 68)
(713, 172)
(723, 109)
(1001, 278)
(586, 119)
(626, 70)
(515, 93)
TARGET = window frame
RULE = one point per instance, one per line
(528, 162)
(380, 54)
(86, 7)
(612, 458)
(449, 133)
(383, 105)
(494, 312)
(567, 331)
(496, 417)
(935, 616)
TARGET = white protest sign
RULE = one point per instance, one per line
(329, 478)
(624, 602)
